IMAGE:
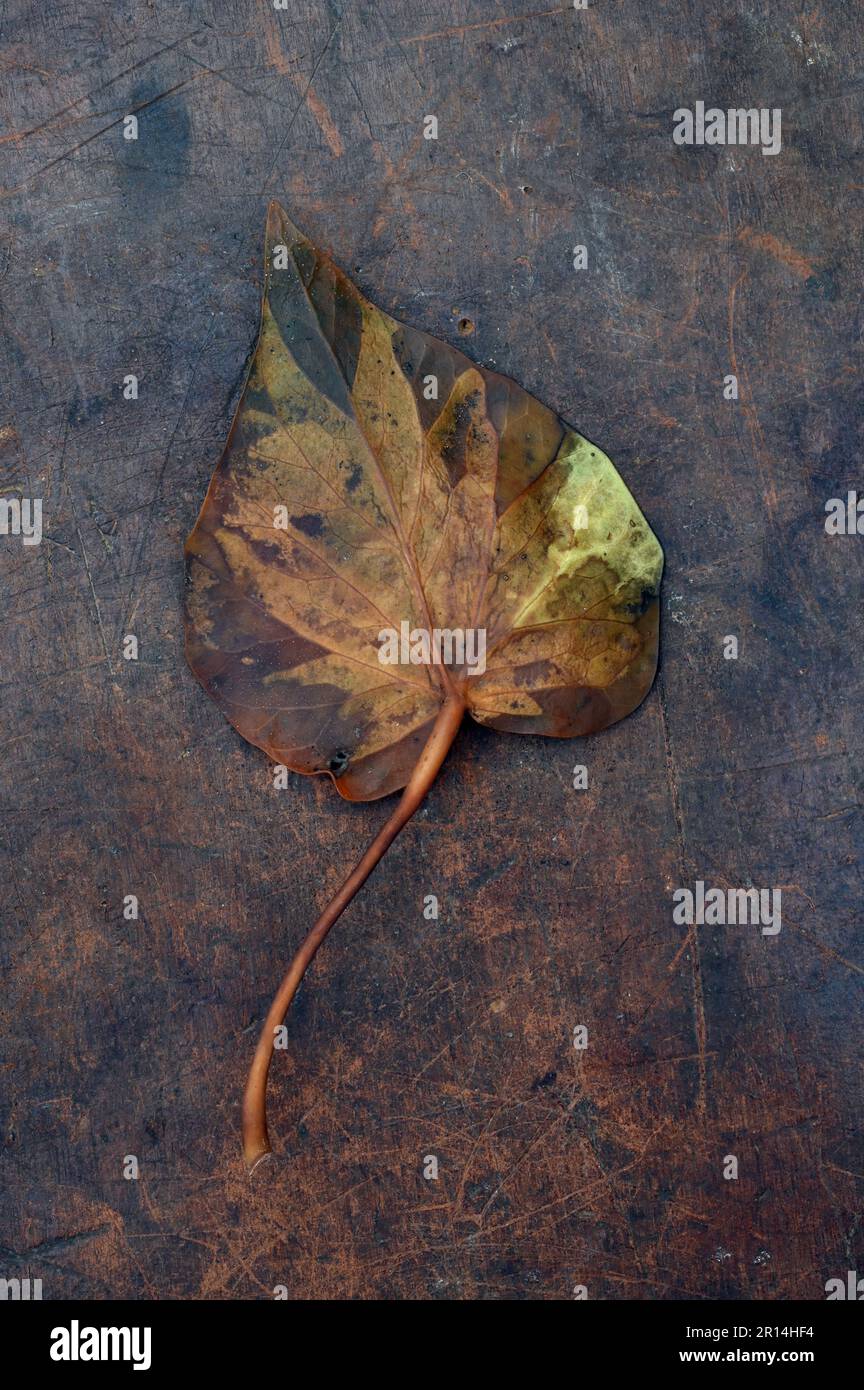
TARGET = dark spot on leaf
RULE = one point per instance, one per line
(352, 482)
(310, 525)
(636, 607)
(339, 762)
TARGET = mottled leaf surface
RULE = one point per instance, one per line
(479, 509)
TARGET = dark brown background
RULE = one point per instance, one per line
(452, 1037)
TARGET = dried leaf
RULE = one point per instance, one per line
(375, 477)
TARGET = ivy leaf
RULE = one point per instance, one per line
(395, 537)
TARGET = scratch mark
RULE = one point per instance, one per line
(88, 96)
(698, 993)
(49, 1248)
(780, 250)
(460, 29)
(325, 121)
(283, 142)
(82, 144)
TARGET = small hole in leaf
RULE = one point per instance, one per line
(466, 327)
(339, 762)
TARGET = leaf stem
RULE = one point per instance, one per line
(256, 1142)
